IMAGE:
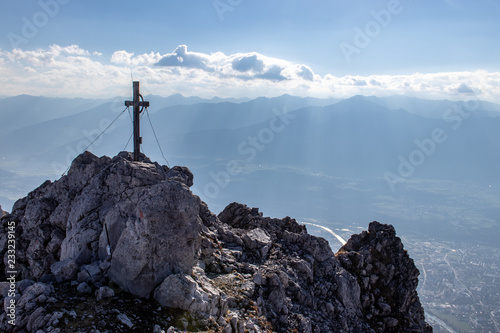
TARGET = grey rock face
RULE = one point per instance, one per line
(64, 270)
(388, 279)
(299, 285)
(136, 227)
(184, 292)
(2, 212)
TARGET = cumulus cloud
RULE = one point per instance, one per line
(58, 71)
(126, 58)
(375, 83)
(70, 71)
(247, 63)
(273, 73)
(306, 73)
(181, 57)
(245, 67)
(354, 81)
(122, 57)
(464, 89)
(71, 50)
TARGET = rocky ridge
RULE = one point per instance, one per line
(119, 246)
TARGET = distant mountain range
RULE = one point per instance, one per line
(433, 108)
(396, 159)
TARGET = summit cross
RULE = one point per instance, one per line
(138, 108)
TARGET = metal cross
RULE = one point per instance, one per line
(138, 108)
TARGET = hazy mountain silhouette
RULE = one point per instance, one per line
(355, 138)
(432, 108)
(24, 110)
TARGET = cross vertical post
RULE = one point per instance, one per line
(137, 120)
(138, 108)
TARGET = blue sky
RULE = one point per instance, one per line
(344, 44)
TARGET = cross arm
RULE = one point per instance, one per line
(143, 104)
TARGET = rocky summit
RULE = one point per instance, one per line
(123, 246)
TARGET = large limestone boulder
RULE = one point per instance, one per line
(160, 239)
(191, 293)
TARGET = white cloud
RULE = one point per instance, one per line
(245, 66)
(182, 58)
(123, 57)
(462, 88)
(74, 72)
(374, 82)
(29, 69)
(246, 63)
(72, 50)
(273, 73)
(306, 73)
